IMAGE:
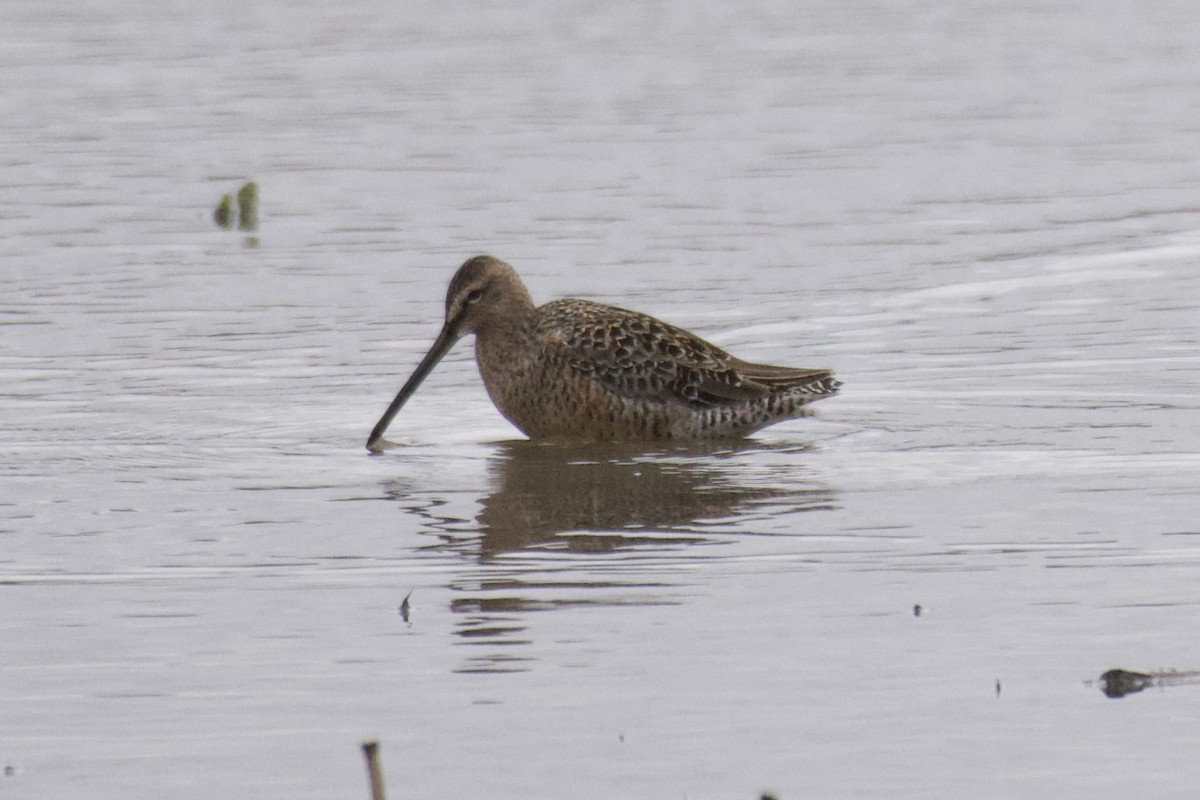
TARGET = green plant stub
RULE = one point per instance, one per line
(247, 198)
(223, 213)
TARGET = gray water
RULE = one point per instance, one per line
(985, 216)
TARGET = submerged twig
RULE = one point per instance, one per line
(404, 606)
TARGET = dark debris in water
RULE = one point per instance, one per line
(1121, 682)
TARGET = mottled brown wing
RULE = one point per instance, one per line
(637, 355)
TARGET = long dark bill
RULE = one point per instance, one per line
(441, 346)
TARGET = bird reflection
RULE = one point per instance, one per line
(556, 505)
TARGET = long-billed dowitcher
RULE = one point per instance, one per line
(574, 369)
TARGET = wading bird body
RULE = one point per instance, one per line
(578, 370)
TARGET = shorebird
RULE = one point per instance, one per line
(578, 370)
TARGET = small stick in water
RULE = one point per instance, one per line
(374, 772)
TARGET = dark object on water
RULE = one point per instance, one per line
(1120, 682)
(247, 200)
(374, 771)
(404, 606)
(223, 213)
(917, 610)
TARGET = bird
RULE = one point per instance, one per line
(577, 370)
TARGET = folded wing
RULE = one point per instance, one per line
(636, 355)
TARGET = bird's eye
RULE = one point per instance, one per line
(474, 296)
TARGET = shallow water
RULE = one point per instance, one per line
(983, 216)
